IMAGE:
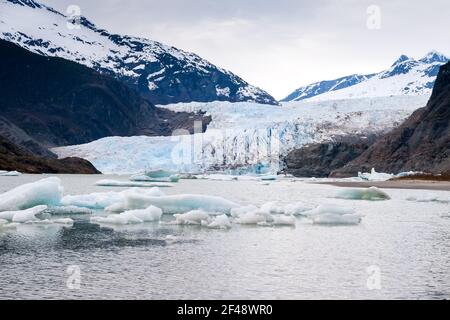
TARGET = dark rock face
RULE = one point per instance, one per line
(162, 73)
(319, 160)
(421, 143)
(57, 102)
(14, 158)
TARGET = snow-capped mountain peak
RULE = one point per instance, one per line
(401, 59)
(434, 57)
(406, 76)
(163, 73)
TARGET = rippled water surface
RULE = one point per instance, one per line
(407, 242)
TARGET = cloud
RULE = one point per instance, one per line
(279, 45)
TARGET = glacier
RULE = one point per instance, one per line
(245, 137)
(43, 192)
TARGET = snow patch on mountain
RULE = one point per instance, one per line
(164, 73)
(406, 76)
(246, 137)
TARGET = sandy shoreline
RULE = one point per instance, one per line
(403, 184)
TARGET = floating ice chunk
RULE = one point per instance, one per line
(98, 200)
(328, 209)
(177, 203)
(147, 215)
(28, 214)
(371, 194)
(375, 176)
(271, 208)
(156, 176)
(150, 214)
(220, 222)
(192, 217)
(9, 173)
(43, 192)
(283, 220)
(101, 200)
(337, 219)
(68, 210)
(296, 209)
(115, 183)
(236, 212)
(429, 198)
(251, 218)
(65, 221)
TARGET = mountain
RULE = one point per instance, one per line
(162, 73)
(14, 158)
(405, 77)
(421, 143)
(47, 102)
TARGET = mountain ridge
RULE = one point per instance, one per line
(406, 76)
(162, 73)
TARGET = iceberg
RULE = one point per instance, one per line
(271, 208)
(296, 209)
(333, 215)
(371, 194)
(252, 218)
(375, 176)
(159, 175)
(429, 198)
(337, 219)
(9, 173)
(102, 200)
(195, 217)
(283, 220)
(220, 222)
(236, 212)
(27, 215)
(175, 203)
(131, 184)
(150, 214)
(43, 192)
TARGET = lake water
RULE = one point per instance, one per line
(399, 251)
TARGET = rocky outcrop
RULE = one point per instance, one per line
(421, 143)
(54, 102)
(13, 158)
(319, 160)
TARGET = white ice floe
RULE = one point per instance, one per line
(371, 194)
(175, 203)
(220, 222)
(283, 220)
(429, 198)
(296, 209)
(336, 219)
(252, 217)
(238, 211)
(158, 175)
(375, 176)
(9, 173)
(271, 208)
(101, 200)
(333, 215)
(24, 215)
(150, 214)
(195, 217)
(131, 184)
(43, 192)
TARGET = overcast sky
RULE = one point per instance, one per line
(280, 45)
